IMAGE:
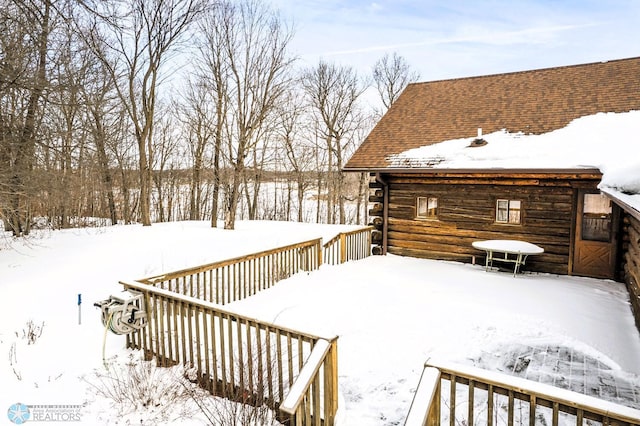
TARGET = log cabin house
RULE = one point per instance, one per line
(468, 187)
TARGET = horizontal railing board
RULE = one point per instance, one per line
(226, 262)
(216, 307)
(305, 377)
(355, 231)
(425, 394)
(346, 246)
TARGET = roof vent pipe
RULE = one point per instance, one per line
(479, 141)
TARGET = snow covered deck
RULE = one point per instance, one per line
(392, 313)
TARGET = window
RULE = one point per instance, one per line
(596, 218)
(508, 211)
(427, 207)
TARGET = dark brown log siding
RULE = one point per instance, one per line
(467, 210)
(631, 262)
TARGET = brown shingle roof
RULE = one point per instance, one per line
(532, 102)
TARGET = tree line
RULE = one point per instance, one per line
(141, 111)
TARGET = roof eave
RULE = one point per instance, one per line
(435, 170)
(612, 194)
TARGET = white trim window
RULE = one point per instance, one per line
(508, 211)
(427, 207)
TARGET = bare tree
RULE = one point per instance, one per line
(362, 199)
(26, 27)
(254, 171)
(215, 76)
(69, 160)
(391, 74)
(123, 148)
(98, 99)
(134, 39)
(253, 41)
(215, 73)
(333, 92)
(300, 154)
(197, 117)
(165, 145)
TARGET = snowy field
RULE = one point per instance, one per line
(390, 313)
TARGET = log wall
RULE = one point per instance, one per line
(631, 262)
(467, 211)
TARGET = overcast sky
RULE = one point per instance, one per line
(458, 38)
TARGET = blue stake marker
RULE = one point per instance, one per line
(79, 309)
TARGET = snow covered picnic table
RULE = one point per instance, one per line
(521, 250)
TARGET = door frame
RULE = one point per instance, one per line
(612, 243)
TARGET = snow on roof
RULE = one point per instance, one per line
(606, 141)
(629, 202)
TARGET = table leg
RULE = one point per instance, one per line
(522, 258)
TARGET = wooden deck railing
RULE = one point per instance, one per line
(308, 396)
(237, 357)
(346, 246)
(462, 395)
(235, 279)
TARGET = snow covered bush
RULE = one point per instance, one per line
(29, 335)
(32, 332)
(235, 411)
(141, 392)
(246, 406)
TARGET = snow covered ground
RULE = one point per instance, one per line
(390, 313)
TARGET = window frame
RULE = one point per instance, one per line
(598, 216)
(426, 216)
(509, 209)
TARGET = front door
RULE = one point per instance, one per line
(594, 252)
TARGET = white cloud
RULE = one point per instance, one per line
(474, 35)
(464, 38)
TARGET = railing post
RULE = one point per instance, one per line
(433, 417)
(332, 389)
(147, 340)
(343, 248)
